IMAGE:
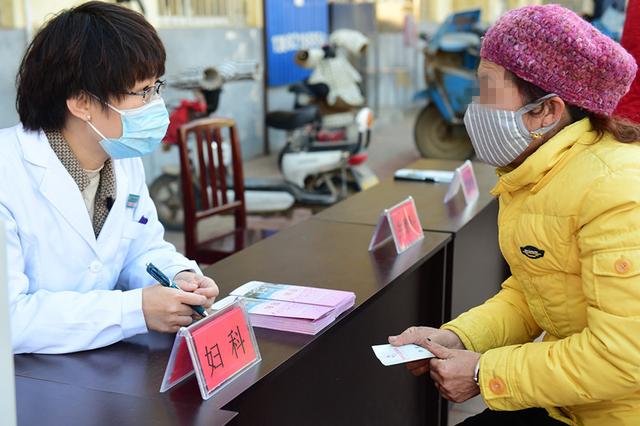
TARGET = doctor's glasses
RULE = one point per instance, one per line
(151, 92)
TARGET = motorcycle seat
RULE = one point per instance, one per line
(459, 42)
(357, 159)
(291, 120)
(351, 148)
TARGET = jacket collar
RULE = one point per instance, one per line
(540, 165)
(67, 158)
(55, 183)
(35, 148)
(106, 188)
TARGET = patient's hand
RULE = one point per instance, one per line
(418, 336)
(453, 372)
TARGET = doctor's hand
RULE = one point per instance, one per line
(198, 284)
(167, 309)
(418, 336)
(452, 372)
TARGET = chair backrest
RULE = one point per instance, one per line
(205, 183)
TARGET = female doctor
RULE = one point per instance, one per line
(80, 224)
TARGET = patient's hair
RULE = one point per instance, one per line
(622, 129)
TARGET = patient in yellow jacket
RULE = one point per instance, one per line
(569, 192)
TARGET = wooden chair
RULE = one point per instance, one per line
(204, 189)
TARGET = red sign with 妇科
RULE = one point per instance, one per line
(463, 176)
(219, 347)
(405, 225)
(400, 222)
(469, 182)
(223, 346)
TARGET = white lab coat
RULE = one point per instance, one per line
(67, 291)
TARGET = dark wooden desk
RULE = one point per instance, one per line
(332, 378)
(365, 207)
(43, 402)
(476, 266)
(337, 380)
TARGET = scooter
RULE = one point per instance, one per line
(313, 174)
(308, 179)
(451, 58)
(321, 174)
(328, 121)
(207, 86)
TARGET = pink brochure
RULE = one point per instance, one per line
(293, 293)
(277, 308)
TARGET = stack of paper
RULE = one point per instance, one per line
(288, 316)
(293, 308)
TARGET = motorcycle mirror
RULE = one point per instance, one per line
(329, 51)
(211, 79)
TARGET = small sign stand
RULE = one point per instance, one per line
(400, 223)
(463, 176)
(217, 349)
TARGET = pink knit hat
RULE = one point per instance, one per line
(561, 53)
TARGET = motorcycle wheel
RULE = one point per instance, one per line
(166, 193)
(435, 138)
(285, 149)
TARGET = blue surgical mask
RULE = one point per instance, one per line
(142, 130)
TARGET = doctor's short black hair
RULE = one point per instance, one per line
(96, 48)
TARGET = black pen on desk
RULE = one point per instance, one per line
(166, 282)
(427, 179)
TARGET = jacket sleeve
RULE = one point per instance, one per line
(601, 362)
(66, 321)
(149, 246)
(503, 320)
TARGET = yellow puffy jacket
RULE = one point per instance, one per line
(569, 226)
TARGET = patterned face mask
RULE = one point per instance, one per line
(500, 136)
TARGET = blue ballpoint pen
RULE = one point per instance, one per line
(166, 282)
